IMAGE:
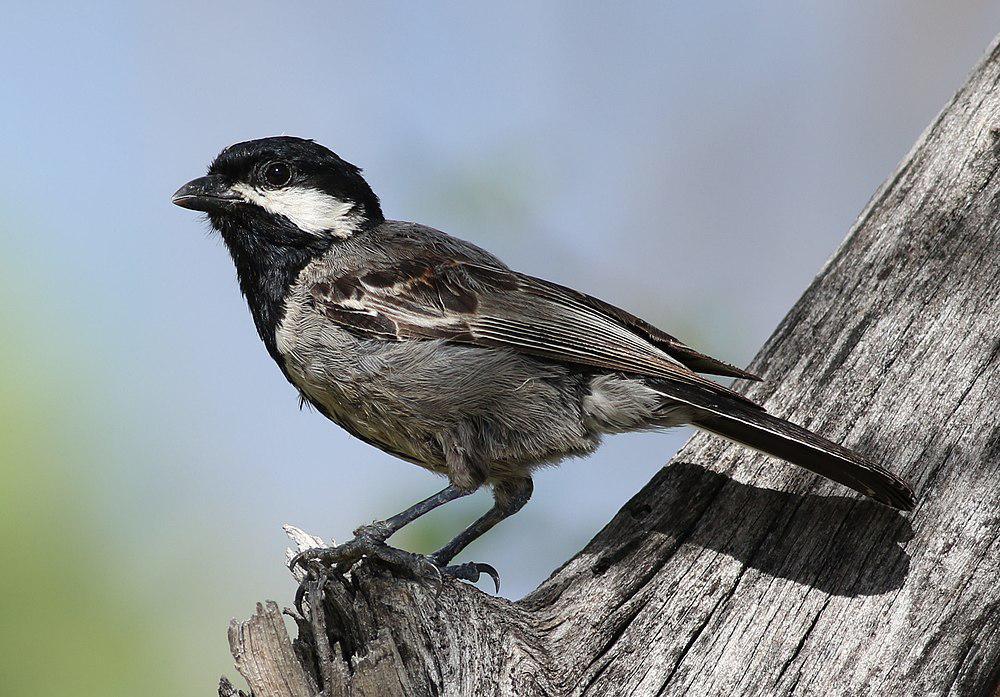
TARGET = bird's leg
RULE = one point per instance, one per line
(382, 530)
(510, 496)
(369, 540)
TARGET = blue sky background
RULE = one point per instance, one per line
(694, 162)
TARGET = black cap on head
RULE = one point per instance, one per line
(307, 164)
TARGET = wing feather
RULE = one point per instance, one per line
(433, 297)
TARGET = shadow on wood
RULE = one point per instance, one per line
(848, 530)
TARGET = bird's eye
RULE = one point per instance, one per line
(277, 174)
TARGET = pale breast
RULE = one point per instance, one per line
(333, 371)
(319, 357)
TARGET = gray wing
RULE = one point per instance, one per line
(433, 296)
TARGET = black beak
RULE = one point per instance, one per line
(209, 194)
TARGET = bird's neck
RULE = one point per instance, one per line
(266, 273)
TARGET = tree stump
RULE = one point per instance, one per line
(731, 573)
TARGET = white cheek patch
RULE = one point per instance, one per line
(308, 209)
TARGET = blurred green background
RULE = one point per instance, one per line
(694, 162)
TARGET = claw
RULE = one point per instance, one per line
(308, 555)
(300, 596)
(313, 575)
(471, 571)
(299, 559)
(491, 572)
(438, 577)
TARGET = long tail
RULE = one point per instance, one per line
(747, 423)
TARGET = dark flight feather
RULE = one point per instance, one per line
(756, 428)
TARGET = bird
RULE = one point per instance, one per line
(434, 350)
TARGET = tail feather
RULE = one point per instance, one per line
(769, 434)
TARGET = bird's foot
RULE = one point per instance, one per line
(370, 543)
(471, 571)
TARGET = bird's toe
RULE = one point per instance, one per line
(472, 571)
